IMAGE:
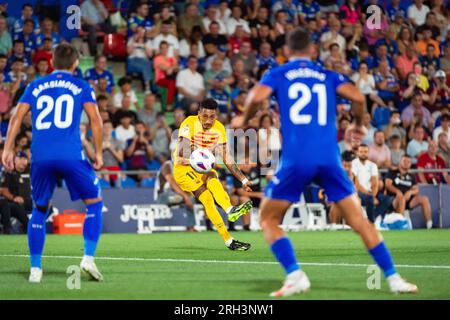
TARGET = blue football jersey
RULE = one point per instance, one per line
(306, 95)
(56, 102)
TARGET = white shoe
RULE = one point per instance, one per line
(398, 285)
(88, 266)
(295, 283)
(35, 275)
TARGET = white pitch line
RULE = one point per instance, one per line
(317, 264)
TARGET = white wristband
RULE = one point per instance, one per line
(244, 181)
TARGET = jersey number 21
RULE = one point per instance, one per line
(305, 98)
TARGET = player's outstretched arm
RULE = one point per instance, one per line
(184, 151)
(97, 132)
(233, 167)
(13, 129)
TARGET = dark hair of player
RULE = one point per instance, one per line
(298, 40)
(209, 103)
(363, 145)
(65, 56)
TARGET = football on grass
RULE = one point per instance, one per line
(202, 160)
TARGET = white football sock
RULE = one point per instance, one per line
(228, 242)
(429, 224)
(229, 209)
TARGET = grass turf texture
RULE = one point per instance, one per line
(194, 280)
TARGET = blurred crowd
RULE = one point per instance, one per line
(397, 54)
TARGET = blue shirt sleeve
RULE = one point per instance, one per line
(269, 79)
(88, 94)
(339, 79)
(27, 96)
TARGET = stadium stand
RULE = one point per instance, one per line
(399, 59)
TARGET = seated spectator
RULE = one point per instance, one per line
(214, 39)
(444, 127)
(397, 152)
(113, 154)
(169, 39)
(125, 131)
(379, 152)
(387, 47)
(308, 10)
(99, 71)
(366, 83)
(28, 37)
(94, 18)
(442, 90)
(125, 109)
(405, 62)
(343, 124)
(47, 32)
(405, 40)
(147, 115)
(168, 16)
(18, 53)
(430, 24)
(444, 148)
(330, 37)
(211, 17)
(265, 58)
(417, 13)
(261, 19)
(27, 13)
(5, 37)
(382, 54)
(188, 20)
(168, 192)
(288, 7)
(417, 145)
(217, 77)
(45, 52)
(160, 137)
(269, 140)
(280, 23)
(220, 53)
(16, 189)
(386, 83)
(222, 98)
(141, 20)
(372, 35)
(366, 182)
(236, 20)
(349, 13)
(139, 150)
(422, 44)
(394, 128)
(165, 71)
(190, 84)
(416, 109)
(363, 55)
(248, 57)
(431, 160)
(194, 38)
(236, 40)
(139, 51)
(16, 77)
(402, 185)
(125, 90)
(335, 60)
(430, 58)
(445, 60)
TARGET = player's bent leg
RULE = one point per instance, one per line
(352, 212)
(91, 232)
(399, 203)
(36, 240)
(271, 214)
(426, 208)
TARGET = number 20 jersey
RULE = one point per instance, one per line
(306, 94)
(56, 102)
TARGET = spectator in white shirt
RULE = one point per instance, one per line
(166, 36)
(417, 13)
(330, 37)
(236, 20)
(366, 182)
(190, 84)
(125, 131)
(444, 127)
(417, 145)
(211, 15)
(125, 90)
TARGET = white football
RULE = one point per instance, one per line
(202, 160)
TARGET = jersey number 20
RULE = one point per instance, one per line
(305, 98)
(47, 103)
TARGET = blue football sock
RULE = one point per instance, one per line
(284, 252)
(383, 258)
(92, 227)
(36, 237)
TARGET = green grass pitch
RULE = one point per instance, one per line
(198, 266)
